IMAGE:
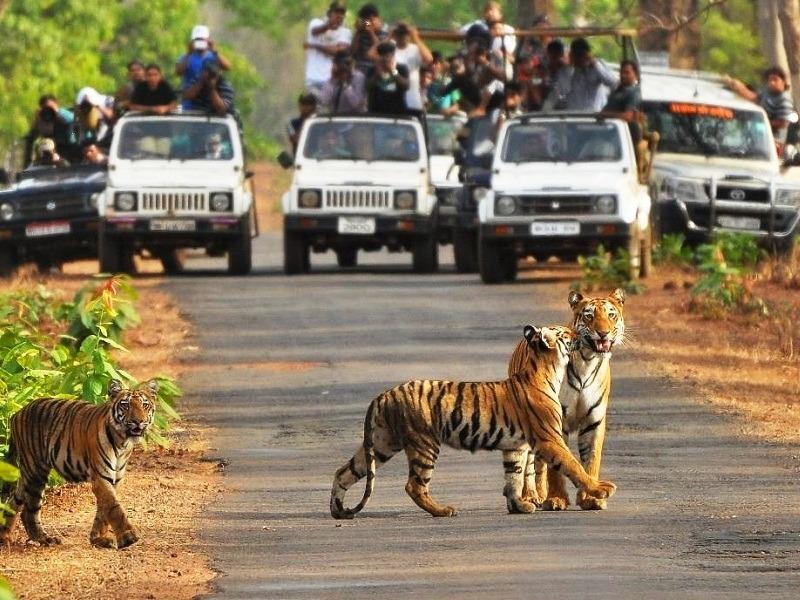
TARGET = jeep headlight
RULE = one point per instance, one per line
(405, 200)
(125, 201)
(684, 189)
(309, 198)
(479, 193)
(221, 201)
(788, 197)
(505, 206)
(606, 204)
(6, 211)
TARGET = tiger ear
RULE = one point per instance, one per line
(534, 335)
(618, 295)
(114, 388)
(152, 385)
(573, 298)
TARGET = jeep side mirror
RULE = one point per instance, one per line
(286, 160)
(459, 156)
(249, 174)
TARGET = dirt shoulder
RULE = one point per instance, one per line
(747, 364)
(165, 493)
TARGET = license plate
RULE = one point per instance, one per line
(747, 223)
(555, 228)
(172, 225)
(52, 228)
(356, 225)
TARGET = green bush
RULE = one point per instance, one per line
(37, 360)
(606, 270)
(6, 593)
(672, 250)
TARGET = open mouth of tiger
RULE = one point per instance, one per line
(603, 345)
(135, 431)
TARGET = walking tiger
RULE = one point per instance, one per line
(83, 442)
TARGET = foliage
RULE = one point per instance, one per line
(672, 249)
(8, 475)
(730, 42)
(727, 265)
(6, 593)
(58, 47)
(35, 361)
(604, 269)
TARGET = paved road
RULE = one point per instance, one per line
(292, 363)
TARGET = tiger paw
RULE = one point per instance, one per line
(603, 489)
(48, 540)
(517, 506)
(555, 503)
(126, 539)
(591, 503)
(532, 498)
(103, 542)
(445, 511)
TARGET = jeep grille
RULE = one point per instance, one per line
(174, 202)
(358, 199)
(556, 205)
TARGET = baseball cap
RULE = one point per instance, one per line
(200, 32)
(90, 95)
(47, 145)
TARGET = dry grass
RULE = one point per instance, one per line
(165, 493)
(741, 363)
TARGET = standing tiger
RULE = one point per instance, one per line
(83, 442)
(600, 325)
(420, 416)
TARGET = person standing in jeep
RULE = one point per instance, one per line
(389, 84)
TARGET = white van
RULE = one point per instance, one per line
(360, 183)
(176, 181)
(717, 167)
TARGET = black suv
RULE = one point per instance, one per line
(49, 216)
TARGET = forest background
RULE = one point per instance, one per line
(59, 46)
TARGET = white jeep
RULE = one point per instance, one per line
(176, 181)
(360, 183)
(561, 185)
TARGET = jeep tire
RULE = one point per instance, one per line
(8, 262)
(240, 252)
(425, 254)
(295, 253)
(171, 261)
(347, 256)
(465, 250)
(115, 256)
(497, 262)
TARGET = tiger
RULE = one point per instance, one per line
(419, 416)
(600, 324)
(82, 442)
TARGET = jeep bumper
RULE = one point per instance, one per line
(584, 237)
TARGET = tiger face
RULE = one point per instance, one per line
(546, 340)
(133, 410)
(599, 322)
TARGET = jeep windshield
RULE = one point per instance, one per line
(561, 141)
(688, 128)
(179, 139)
(362, 140)
(442, 135)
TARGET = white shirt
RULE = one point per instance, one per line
(509, 40)
(319, 64)
(410, 56)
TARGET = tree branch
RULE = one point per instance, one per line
(680, 22)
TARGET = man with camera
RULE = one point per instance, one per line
(46, 155)
(345, 91)
(52, 121)
(324, 39)
(389, 83)
(200, 53)
(210, 93)
(370, 31)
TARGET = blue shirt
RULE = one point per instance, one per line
(194, 66)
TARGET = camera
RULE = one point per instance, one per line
(47, 114)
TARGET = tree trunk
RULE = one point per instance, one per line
(684, 47)
(654, 18)
(789, 16)
(528, 9)
(769, 31)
